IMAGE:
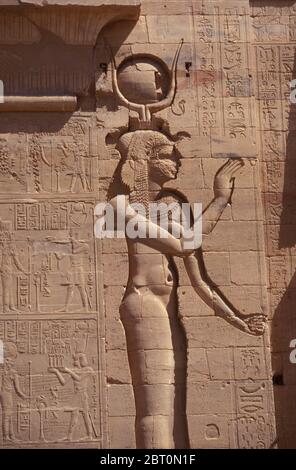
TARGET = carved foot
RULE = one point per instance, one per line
(65, 439)
(11, 439)
(86, 439)
(63, 310)
(11, 310)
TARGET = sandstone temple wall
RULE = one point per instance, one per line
(61, 288)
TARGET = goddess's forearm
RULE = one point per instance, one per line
(213, 213)
(209, 295)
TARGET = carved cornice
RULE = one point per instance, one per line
(46, 46)
(76, 22)
(86, 3)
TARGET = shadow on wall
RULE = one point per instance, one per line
(68, 70)
(30, 123)
(280, 211)
(283, 292)
(284, 378)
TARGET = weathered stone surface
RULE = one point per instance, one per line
(209, 431)
(117, 367)
(121, 432)
(213, 397)
(71, 3)
(213, 333)
(119, 395)
(119, 342)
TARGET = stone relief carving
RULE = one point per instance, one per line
(155, 336)
(51, 293)
(50, 385)
(10, 382)
(49, 390)
(81, 375)
(50, 274)
(48, 163)
(43, 50)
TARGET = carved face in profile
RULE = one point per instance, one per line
(80, 360)
(164, 166)
(148, 155)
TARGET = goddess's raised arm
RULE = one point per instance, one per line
(223, 189)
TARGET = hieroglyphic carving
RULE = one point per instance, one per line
(235, 119)
(276, 64)
(275, 68)
(49, 163)
(10, 382)
(254, 426)
(222, 51)
(48, 270)
(273, 202)
(44, 272)
(273, 145)
(270, 28)
(207, 87)
(279, 272)
(52, 257)
(274, 33)
(249, 363)
(259, 9)
(56, 400)
(10, 261)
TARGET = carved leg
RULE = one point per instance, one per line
(42, 436)
(9, 288)
(70, 292)
(157, 358)
(12, 307)
(84, 182)
(6, 419)
(83, 295)
(73, 183)
(5, 293)
(11, 433)
(87, 424)
(73, 424)
(7, 413)
(154, 430)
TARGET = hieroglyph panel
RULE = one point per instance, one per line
(50, 386)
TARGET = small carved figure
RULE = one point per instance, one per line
(78, 214)
(42, 406)
(76, 276)
(81, 375)
(9, 258)
(78, 172)
(6, 164)
(36, 157)
(9, 382)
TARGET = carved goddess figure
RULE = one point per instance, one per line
(9, 259)
(9, 385)
(156, 341)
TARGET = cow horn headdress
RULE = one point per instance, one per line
(145, 111)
